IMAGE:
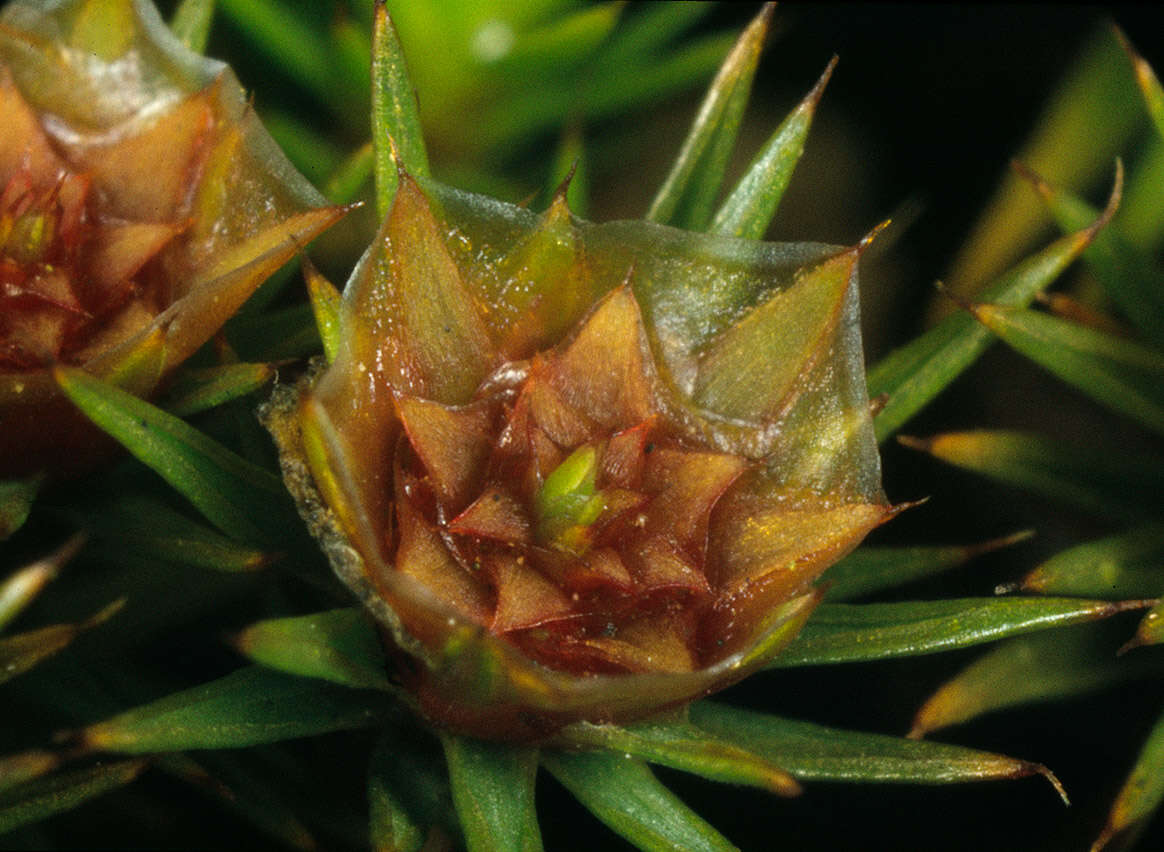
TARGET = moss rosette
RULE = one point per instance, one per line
(469, 321)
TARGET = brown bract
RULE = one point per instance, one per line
(583, 471)
(141, 203)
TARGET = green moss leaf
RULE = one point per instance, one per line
(688, 193)
(1119, 373)
(814, 752)
(23, 586)
(681, 745)
(248, 707)
(16, 496)
(235, 495)
(1130, 564)
(1096, 91)
(912, 375)
(1112, 485)
(408, 793)
(1151, 629)
(191, 23)
(287, 41)
(625, 795)
(1129, 274)
(278, 335)
(22, 651)
(840, 633)
(750, 207)
(346, 183)
(151, 530)
(325, 305)
(196, 390)
(18, 769)
(340, 645)
(397, 138)
(44, 797)
(493, 789)
(869, 570)
(1147, 82)
(1046, 666)
(1141, 795)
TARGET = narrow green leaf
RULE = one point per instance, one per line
(814, 752)
(839, 633)
(749, 209)
(44, 797)
(340, 645)
(686, 197)
(1141, 795)
(191, 23)
(1114, 485)
(196, 390)
(869, 570)
(408, 794)
(1147, 81)
(248, 707)
(624, 794)
(325, 305)
(681, 745)
(570, 165)
(1141, 216)
(16, 496)
(650, 30)
(233, 494)
(346, 183)
(279, 335)
(21, 587)
(293, 46)
(1119, 373)
(1127, 565)
(17, 769)
(912, 375)
(150, 529)
(22, 651)
(1045, 666)
(1129, 275)
(396, 130)
(351, 53)
(558, 46)
(610, 91)
(1097, 91)
(493, 789)
(1151, 629)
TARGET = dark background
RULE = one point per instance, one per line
(927, 106)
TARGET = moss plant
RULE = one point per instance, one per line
(538, 485)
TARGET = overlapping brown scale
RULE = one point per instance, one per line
(657, 643)
(496, 515)
(686, 485)
(624, 456)
(602, 372)
(174, 144)
(454, 443)
(525, 597)
(23, 144)
(422, 555)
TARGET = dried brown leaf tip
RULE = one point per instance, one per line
(141, 203)
(584, 471)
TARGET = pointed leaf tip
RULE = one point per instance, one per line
(752, 203)
(1146, 79)
(867, 240)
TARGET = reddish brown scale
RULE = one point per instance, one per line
(576, 599)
